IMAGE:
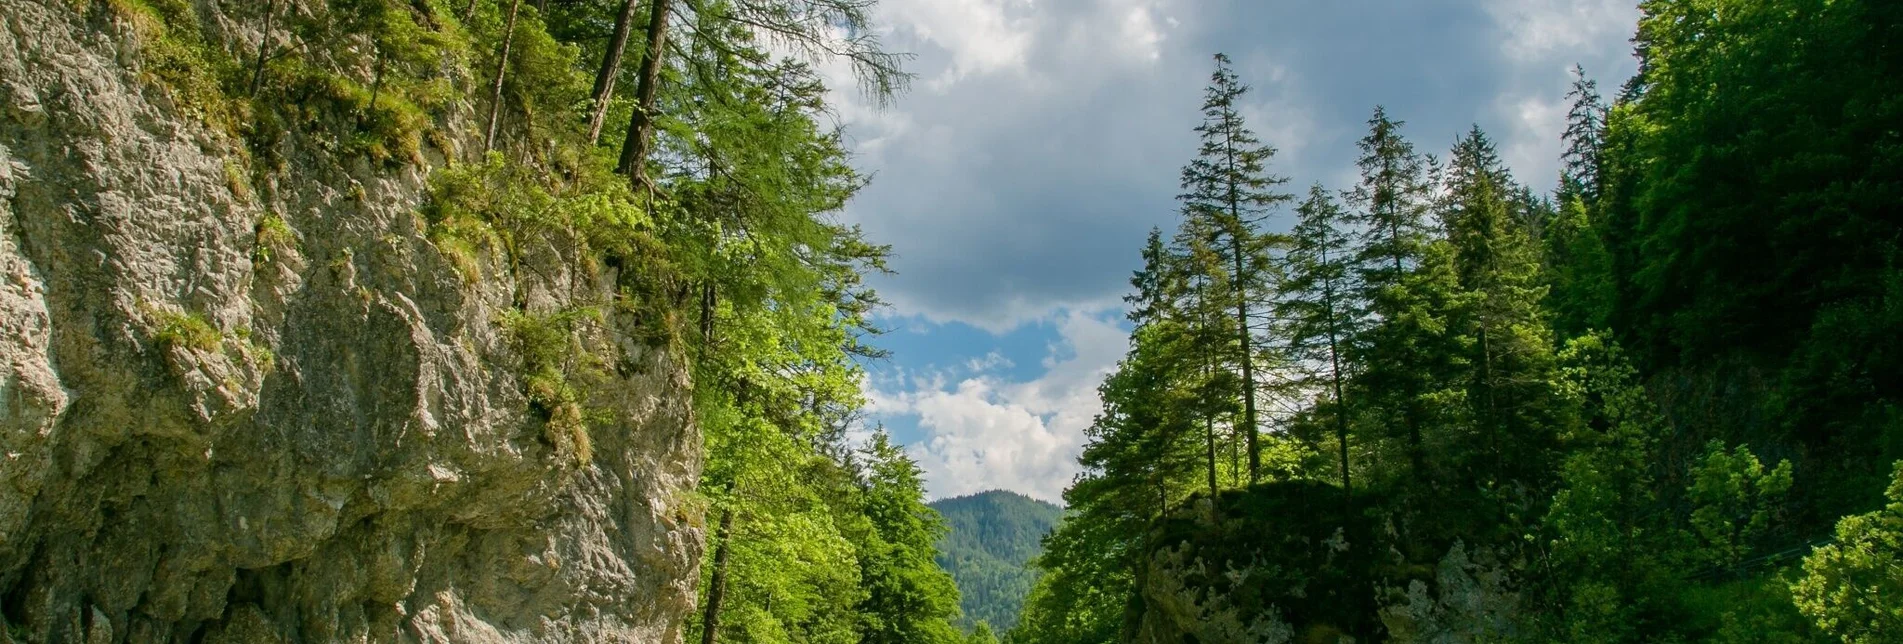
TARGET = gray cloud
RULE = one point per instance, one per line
(1043, 138)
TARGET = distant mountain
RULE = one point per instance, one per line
(993, 536)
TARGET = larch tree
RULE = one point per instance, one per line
(610, 69)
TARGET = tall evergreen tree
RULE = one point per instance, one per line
(1319, 309)
(1583, 140)
(1229, 186)
(1510, 356)
(1406, 354)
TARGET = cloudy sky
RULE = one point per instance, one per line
(1042, 140)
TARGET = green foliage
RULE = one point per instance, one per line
(177, 55)
(910, 599)
(1730, 219)
(981, 634)
(552, 359)
(1290, 548)
(503, 208)
(257, 353)
(1853, 589)
(1735, 498)
(274, 238)
(991, 539)
(1605, 539)
(187, 330)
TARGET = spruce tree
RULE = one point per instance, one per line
(1318, 308)
(1229, 187)
(1583, 140)
(1406, 353)
(1509, 343)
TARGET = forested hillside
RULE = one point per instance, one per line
(990, 539)
(1655, 398)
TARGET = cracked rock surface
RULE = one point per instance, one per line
(327, 441)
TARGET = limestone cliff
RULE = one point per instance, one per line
(249, 406)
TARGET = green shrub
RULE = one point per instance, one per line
(1853, 588)
(187, 330)
(274, 238)
(550, 354)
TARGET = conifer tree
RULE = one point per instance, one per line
(1406, 353)
(610, 69)
(1583, 140)
(1510, 351)
(1318, 308)
(1229, 188)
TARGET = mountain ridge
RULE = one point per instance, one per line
(992, 536)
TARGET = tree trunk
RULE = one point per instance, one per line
(502, 68)
(1341, 402)
(1209, 420)
(264, 46)
(610, 69)
(717, 587)
(634, 151)
(1242, 314)
(1248, 359)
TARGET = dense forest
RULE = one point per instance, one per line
(1655, 400)
(991, 538)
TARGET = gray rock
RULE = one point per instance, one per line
(350, 457)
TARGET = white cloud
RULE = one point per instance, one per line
(1535, 29)
(990, 362)
(983, 432)
(1532, 141)
(1540, 42)
(980, 36)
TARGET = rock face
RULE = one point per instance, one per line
(252, 413)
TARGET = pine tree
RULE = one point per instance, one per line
(1579, 174)
(1229, 187)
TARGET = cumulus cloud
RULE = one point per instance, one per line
(1536, 29)
(1044, 136)
(983, 432)
(1540, 41)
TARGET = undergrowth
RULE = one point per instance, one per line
(553, 358)
(187, 330)
(274, 238)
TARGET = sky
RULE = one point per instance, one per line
(1042, 139)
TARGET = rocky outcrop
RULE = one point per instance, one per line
(243, 406)
(1276, 563)
(1289, 562)
(1471, 598)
